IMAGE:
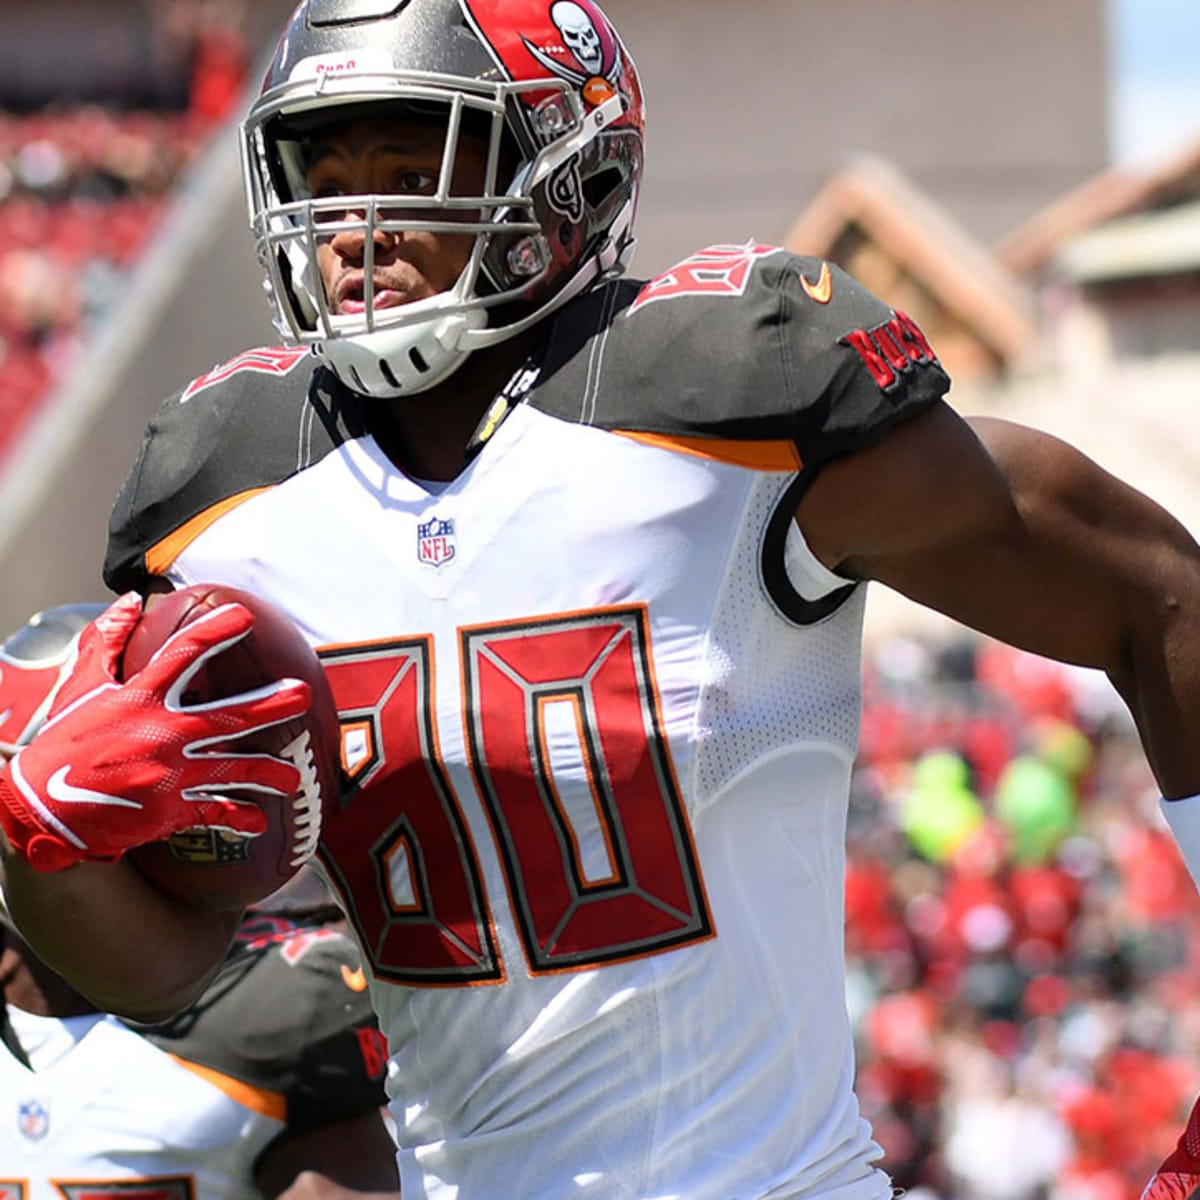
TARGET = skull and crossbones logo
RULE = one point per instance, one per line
(579, 33)
(584, 36)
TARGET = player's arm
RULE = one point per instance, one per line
(351, 1159)
(120, 942)
(114, 767)
(1021, 537)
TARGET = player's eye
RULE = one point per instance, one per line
(327, 193)
(326, 212)
(414, 183)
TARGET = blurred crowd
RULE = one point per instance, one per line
(1023, 938)
(83, 186)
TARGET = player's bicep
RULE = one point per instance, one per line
(1006, 529)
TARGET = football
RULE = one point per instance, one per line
(214, 869)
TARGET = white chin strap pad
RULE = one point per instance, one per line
(403, 360)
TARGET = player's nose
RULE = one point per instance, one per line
(350, 241)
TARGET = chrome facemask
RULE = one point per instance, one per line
(389, 351)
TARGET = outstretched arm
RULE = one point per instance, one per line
(1016, 534)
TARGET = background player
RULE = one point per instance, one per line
(583, 556)
(270, 1085)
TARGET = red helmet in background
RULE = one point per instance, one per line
(550, 87)
(34, 661)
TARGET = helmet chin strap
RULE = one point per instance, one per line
(403, 360)
(303, 285)
(610, 259)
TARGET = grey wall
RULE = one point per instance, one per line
(994, 109)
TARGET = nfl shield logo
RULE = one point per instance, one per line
(33, 1120)
(435, 542)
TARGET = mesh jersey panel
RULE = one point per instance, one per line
(752, 695)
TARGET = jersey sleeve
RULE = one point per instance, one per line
(288, 1017)
(340, 1070)
(852, 367)
(743, 343)
(246, 426)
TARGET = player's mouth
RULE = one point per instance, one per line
(350, 297)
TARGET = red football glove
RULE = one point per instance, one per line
(1179, 1175)
(118, 765)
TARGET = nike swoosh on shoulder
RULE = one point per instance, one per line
(822, 290)
(57, 788)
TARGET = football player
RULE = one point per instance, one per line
(586, 558)
(271, 1085)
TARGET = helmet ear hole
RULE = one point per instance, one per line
(599, 187)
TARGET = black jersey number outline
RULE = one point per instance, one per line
(150, 1187)
(400, 816)
(591, 671)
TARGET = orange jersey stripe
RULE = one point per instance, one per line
(758, 456)
(161, 555)
(259, 1100)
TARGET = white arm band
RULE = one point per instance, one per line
(1183, 819)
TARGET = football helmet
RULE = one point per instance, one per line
(551, 91)
(33, 663)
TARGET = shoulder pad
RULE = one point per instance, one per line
(248, 424)
(290, 1015)
(741, 342)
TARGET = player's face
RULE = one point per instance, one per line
(374, 156)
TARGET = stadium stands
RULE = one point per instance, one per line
(83, 184)
(1023, 948)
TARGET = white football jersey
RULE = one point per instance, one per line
(183, 1110)
(117, 1117)
(600, 705)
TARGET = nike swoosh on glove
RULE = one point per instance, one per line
(1179, 1176)
(117, 765)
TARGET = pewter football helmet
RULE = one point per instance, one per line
(547, 84)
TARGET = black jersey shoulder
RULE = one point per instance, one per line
(741, 342)
(251, 423)
(288, 1015)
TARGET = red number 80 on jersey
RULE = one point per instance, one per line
(568, 759)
